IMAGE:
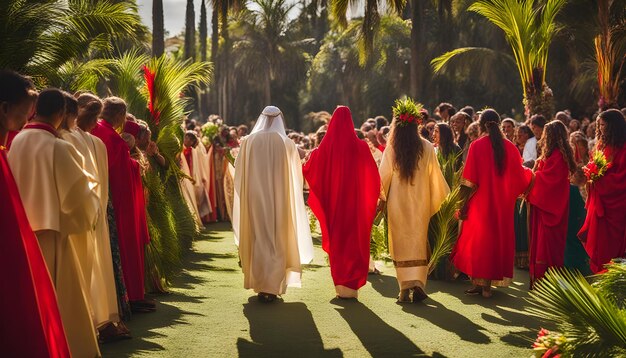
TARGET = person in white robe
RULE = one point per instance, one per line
(270, 223)
(60, 200)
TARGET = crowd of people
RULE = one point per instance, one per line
(75, 228)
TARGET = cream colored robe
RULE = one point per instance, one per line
(409, 209)
(201, 184)
(189, 192)
(60, 200)
(102, 280)
(269, 219)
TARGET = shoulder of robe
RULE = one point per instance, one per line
(63, 148)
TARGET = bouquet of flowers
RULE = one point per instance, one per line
(209, 130)
(407, 111)
(597, 167)
(549, 345)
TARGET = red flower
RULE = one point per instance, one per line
(150, 75)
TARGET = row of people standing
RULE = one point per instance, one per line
(83, 201)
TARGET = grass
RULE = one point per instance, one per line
(209, 314)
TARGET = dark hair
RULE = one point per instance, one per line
(359, 134)
(192, 135)
(71, 104)
(243, 128)
(425, 115)
(538, 120)
(469, 110)
(526, 129)
(381, 121)
(446, 139)
(14, 88)
(615, 133)
(555, 137)
(50, 102)
(408, 148)
(489, 122)
(446, 107)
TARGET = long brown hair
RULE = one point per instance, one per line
(489, 122)
(555, 137)
(615, 133)
(408, 148)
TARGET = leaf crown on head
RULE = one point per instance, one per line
(407, 111)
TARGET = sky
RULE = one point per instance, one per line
(174, 14)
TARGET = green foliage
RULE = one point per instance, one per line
(40, 37)
(443, 229)
(379, 243)
(588, 317)
(612, 283)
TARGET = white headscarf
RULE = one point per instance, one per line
(270, 120)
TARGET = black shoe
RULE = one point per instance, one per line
(266, 297)
(419, 295)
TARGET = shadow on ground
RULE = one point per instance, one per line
(278, 327)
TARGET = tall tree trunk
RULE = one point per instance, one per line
(203, 93)
(215, 36)
(203, 31)
(224, 103)
(418, 48)
(158, 29)
(190, 31)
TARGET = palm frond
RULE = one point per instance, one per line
(74, 76)
(127, 81)
(612, 283)
(592, 323)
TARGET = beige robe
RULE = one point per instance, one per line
(60, 200)
(201, 184)
(102, 282)
(269, 219)
(189, 192)
(409, 209)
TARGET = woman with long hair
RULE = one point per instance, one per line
(604, 230)
(492, 180)
(445, 147)
(549, 200)
(414, 188)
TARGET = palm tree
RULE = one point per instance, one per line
(610, 46)
(370, 23)
(529, 29)
(158, 29)
(39, 37)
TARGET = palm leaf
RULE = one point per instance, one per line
(592, 323)
(612, 283)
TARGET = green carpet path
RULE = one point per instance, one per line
(209, 314)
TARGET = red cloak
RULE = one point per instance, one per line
(344, 188)
(604, 230)
(127, 196)
(28, 305)
(549, 198)
(486, 246)
(189, 157)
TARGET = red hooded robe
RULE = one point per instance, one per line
(344, 188)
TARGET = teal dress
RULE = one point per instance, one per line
(575, 255)
(520, 224)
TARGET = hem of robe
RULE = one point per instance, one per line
(291, 279)
(346, 292)
(410, 277)
(76, 314)
(505, 282)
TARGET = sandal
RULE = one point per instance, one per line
(476, 290)
(266, 297)
(419, 295)
(404, 296)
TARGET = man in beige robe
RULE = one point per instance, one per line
(409, 209)
(269, 219)
(60, 200)
(96, 259)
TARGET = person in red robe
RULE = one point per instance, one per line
(344, 188)
(33, 326)
(492, 180)
(128, 202)
(604, 230)
(549, 199)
